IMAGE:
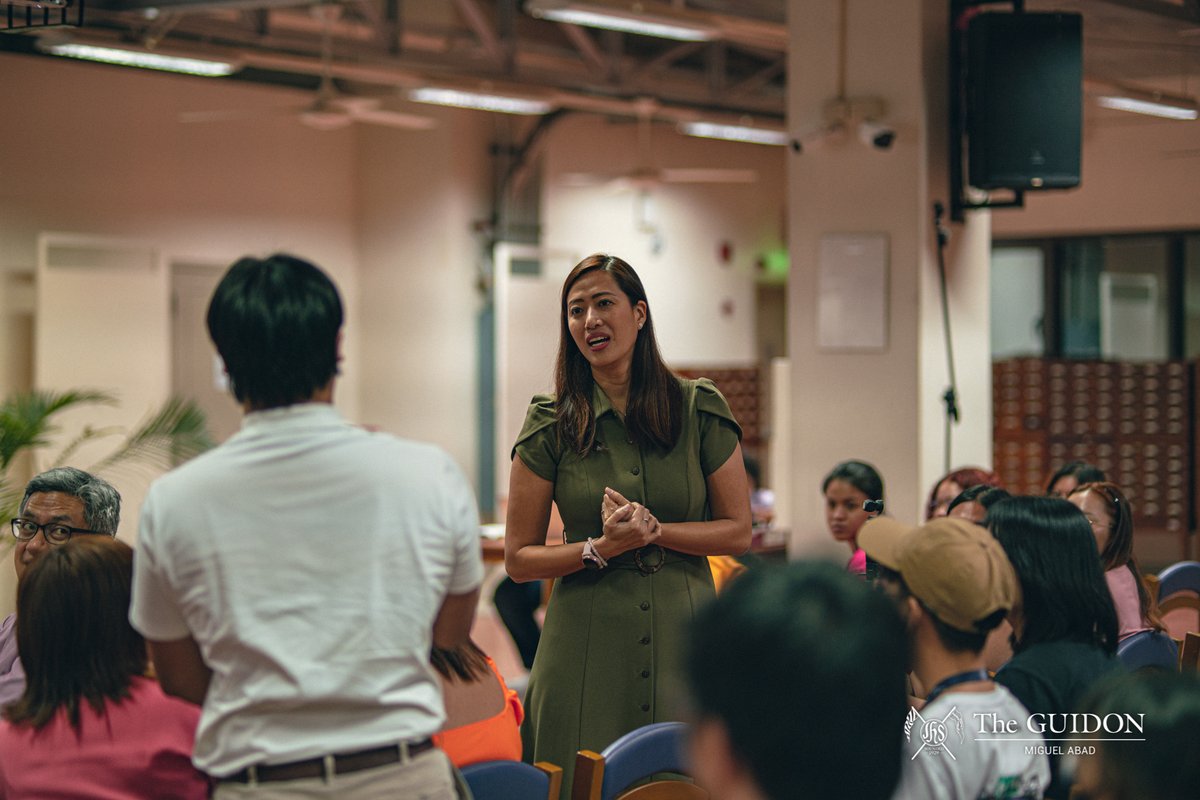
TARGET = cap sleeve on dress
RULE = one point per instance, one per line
(537, 443)
(719, 431)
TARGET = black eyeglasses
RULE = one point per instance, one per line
(55, 532)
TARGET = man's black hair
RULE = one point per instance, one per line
(275, 322)
(804, 666)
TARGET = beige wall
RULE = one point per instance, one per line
(687, 282)
(881, 406)
(1139, 174)
(418, 195)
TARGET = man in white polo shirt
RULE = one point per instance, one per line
(293, 579)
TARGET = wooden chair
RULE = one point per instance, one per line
(634, 757)
(1148, 650)
(1189, 653)
(1179, 590)
(513, 780)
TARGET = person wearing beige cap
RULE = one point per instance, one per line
(953, 585)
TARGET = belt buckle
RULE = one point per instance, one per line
(649, 569)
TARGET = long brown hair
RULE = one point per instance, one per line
(1118, 550)
(654, 415)
(73, 631)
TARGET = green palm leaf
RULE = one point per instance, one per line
(173, 434)
(26, 418)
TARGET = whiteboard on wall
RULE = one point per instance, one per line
(852, 291)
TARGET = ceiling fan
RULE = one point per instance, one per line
(330, 109)
(644, 175)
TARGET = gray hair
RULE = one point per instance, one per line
(101, 502)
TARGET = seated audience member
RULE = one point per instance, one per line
(517, 605)
(847, 486)
(483, 716)
(1071, 475)
(1065, 628)
(1166, 765)
(954, 585)
(793, 672)
(1111, 517)
(89, 724)
(973, 502)
(949, 486)
(58, 504)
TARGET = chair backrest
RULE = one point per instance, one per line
(637, 755)
(1181, 577)
(1148, 649)
(1179, 598)
(1189, 653)
(513, 780)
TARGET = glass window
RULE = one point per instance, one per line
(1018, 301)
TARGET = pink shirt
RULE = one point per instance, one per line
(858, 562)
(138, 748)
(1122, 585)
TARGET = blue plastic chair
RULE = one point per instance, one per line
(637, 755)
(513, 780)
(1148, 650)
(1181, 577)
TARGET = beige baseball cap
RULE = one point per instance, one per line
(956, 568)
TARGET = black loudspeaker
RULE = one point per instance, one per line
(1024, 115)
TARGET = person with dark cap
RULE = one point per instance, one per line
(953, 585)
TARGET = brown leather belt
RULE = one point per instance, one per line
(329, 765)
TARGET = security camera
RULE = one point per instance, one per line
(876, 134)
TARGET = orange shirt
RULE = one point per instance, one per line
(496, 738)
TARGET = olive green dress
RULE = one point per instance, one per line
(612, 640)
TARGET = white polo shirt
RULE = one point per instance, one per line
(308, 559)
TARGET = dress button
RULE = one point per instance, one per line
(636, 470)
(645, 673)
(645, 640)
(645, 606)
(645, 706)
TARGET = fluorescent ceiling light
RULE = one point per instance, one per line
(1152, 103)
(734, 133)
(485, 102)
(636, 19)
(137, 58)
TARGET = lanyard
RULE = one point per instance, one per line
(955, 679)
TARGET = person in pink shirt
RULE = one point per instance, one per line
(846, 489)
(1111, 518)
(89, 723)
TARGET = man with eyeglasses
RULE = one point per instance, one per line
(58, 504)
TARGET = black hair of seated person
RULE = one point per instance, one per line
(860, 475)
(987, 496)
(465, 663)
(803, 665)
(1064, 596)
(1081, 471)
(73, 631)
(275, 323)
(1166, 766)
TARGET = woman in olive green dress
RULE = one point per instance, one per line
(646, 469)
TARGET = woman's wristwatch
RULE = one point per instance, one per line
(591, 556)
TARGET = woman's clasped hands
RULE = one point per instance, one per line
(627, 525)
